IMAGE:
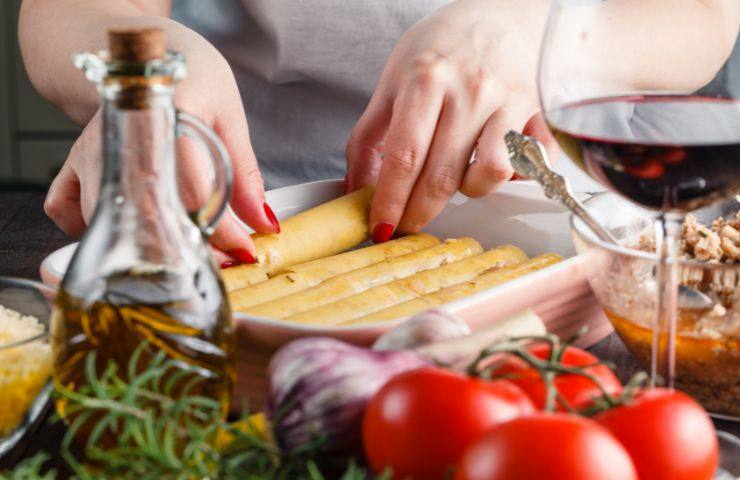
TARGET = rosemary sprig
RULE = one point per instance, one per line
(137, 429)
(30, 469)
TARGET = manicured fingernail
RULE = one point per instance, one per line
(271, 217)
(383, 232)
(516, 176)
(229, 263)
(243, 255)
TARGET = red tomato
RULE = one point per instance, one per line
(421, 421)
(577, 390)
(667, 434)
(552, 446)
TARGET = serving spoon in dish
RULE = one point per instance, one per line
(529, 160)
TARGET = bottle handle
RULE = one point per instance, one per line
(208, 216)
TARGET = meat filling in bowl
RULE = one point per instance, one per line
(717, 243)
(708, 342)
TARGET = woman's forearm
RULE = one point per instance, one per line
(50, 31)
(631, 36)
(696, 35)
(651, 44)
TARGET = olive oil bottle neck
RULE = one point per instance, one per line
(139, 151)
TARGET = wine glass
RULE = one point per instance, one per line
(651, 113)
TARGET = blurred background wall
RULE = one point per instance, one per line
(34, 135)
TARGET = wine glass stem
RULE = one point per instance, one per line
(667, 242)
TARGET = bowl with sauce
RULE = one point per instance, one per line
(623, 279)
(25, 357)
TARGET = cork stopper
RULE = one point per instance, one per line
(136, 44)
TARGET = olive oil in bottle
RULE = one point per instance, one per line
(142, 274)
(115, 324)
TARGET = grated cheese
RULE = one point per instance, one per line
(24, 369)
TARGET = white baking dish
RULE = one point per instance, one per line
(517, 214)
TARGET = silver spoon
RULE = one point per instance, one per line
(528, 158)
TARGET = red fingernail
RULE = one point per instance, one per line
(346, 183)
(243, 255)
(229, 263)
(516, 176)
(383, 232)
(271, 217)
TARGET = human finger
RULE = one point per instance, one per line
(537, 127)
(248, 198)
(85, 159)
(410, 133)
(223, 260)
(365, 146)
(62, 203)
(194, 187)
(448, 158)
(490, 166)
(231, 238)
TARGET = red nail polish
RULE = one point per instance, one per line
(243, 255)
(346, 183)
(271, 217)
(516, 176)
(383, 232)
(229, 263)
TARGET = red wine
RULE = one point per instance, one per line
(663, 152)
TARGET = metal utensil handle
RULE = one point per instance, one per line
(528, 158)
(580, 211)
(208, 216)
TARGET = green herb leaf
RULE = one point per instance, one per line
(136, 430)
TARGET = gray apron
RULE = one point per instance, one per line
(306, 70)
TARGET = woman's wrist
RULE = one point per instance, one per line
(48, 43)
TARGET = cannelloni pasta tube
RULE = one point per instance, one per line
(356, 281)
(306, 275)
(478, 284)
(325, 230)
(402, 290)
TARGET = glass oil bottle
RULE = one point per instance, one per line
(142, 274)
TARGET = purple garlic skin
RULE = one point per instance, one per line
(422, 329)
(318, 387)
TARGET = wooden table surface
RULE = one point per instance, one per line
(27, 236)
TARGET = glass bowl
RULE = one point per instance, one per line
(623, 279)
(25, 357)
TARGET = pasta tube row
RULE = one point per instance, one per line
(402, 290)
(478, 284)
(359, 280)
(242, 276)
(322, 231)
(306, 275)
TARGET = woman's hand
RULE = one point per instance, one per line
(209, 92)
(455, 84)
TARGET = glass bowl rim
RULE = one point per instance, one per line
(583, 232)
(27, 284)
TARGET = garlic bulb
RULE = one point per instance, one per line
(318, 387)
(427, 327)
